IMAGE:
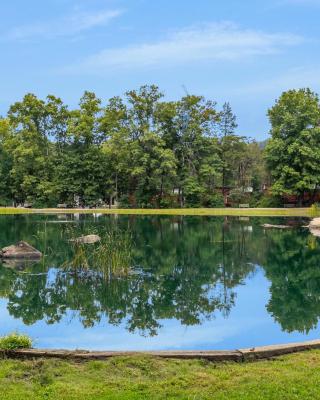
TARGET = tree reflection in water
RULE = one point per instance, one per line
(183, 268)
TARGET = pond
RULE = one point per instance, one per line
(188, 283)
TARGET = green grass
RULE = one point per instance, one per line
(295, 376)
(250, 212)
(15, 341)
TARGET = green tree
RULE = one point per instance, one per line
(31, 150)
(293, 152)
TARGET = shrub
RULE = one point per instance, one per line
(314, 210)
(15, 341)
(214, 200)
(238, 196)
(124, 202)
(268, 201)
(168, 202)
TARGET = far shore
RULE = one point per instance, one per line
(244, 212)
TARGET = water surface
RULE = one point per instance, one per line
(194, 283)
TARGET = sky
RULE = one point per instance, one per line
(244, 52)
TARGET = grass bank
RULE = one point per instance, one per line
(289, 377)
(245, 212)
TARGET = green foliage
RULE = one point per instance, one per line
(314, 210)
(141, 149)
(270, 201)
(293, 152)
(15, 341)
(112, 255)
(214, 200)
(238, 196)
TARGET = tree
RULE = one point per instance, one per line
(228, 121)
(227, 125)
(5, 164)
(81, 168)
(195, 147)
(31, 151)
(293, 152)
(140, 149)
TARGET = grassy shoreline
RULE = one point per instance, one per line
(245, 212)
(294, 376)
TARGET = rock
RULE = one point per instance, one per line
(315, 223)
(314, 227)
(270, 226)
(315, 232)
(88, 239)
(21, 250)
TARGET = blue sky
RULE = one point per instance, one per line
(245, 52)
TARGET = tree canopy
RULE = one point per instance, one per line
(138, 150)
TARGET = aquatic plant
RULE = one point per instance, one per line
(112, 255)
(15, 341)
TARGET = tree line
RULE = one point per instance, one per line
(141, 151)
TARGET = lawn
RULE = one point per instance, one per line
(253, 212)
(296, 376)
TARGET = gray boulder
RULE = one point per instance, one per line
(314, 227)
(21, 250)
(88, 239)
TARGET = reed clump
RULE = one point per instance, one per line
(112, 255)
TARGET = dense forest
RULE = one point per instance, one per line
(142, 151)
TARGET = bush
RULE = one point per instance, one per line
(214, 200)
(15, 341)
(314, 210)
(168, 202)
(124, 201)
(238, 196)
(268, 201)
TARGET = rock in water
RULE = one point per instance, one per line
(270, 226)
(21, 250)
(89, 239)
(314, 227)
(315, 223)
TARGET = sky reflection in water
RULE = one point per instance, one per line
(195, 283)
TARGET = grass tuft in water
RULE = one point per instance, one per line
(111, 256)
(114, 253)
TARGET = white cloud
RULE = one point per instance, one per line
(71, 25)
(295, 78)
(300, 2)
(215, 42)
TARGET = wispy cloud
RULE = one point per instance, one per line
(214, 42)
(300, 2)
(70, 25)
(293, 78)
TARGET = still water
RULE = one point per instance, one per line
(193, 283)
